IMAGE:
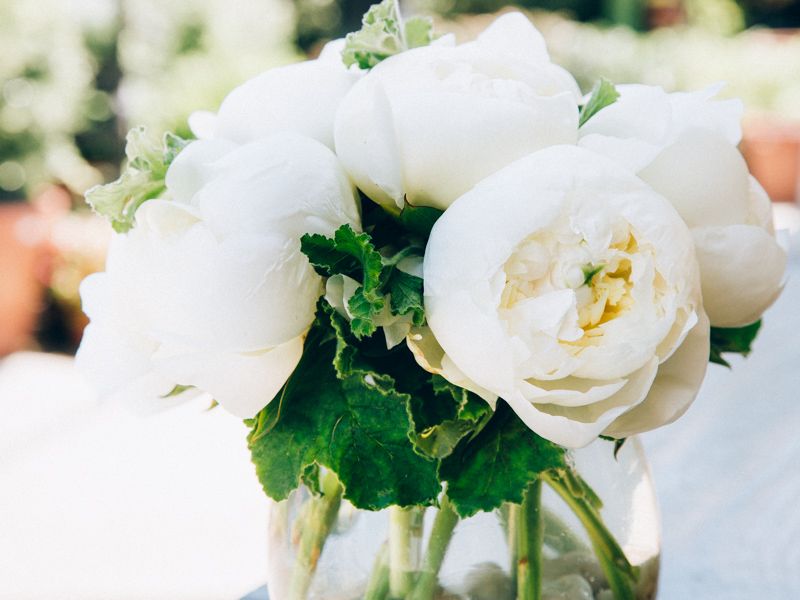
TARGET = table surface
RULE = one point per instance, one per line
(98, 503)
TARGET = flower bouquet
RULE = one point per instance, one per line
(426, 274)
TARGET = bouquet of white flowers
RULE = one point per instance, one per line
(424, 273)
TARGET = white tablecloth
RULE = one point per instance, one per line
(98, 504)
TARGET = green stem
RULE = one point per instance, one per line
(400, 567)
(378, 585)
(512, 516)
(441, 534)
(619, 572)
(530, 542)
(319, 520)
(559, 536)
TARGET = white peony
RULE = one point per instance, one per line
(210, 289)
(428, 124)
(301, 97)
(684, 146)
(569, 288)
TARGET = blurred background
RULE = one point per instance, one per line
(75, 75)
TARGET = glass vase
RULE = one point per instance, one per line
(590, 532)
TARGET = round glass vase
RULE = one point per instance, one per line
(591, 532)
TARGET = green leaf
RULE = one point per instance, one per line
(419, 219)
(352, 254)
(497, 465)
(383, 34)
(450, 415)
(406, 295)
(603, 94)
(419, 32)
(351, 421)
(736, 340)
(142, 179)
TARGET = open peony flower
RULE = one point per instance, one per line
(684, 146)
(569, 288)
(428, 124)
(301, 97)
(210, 289)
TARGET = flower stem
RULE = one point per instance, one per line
(559, 536)
(529, 543)
(378, 584)
(619, 572)
(400, 567)
(441, 534)
(319, 520)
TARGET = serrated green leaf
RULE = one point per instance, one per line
(734, 340)
(347, 419)
(497, 465)
(352, 254)
(141, 180)
(405, 295)
(603, 94)
(383, 34)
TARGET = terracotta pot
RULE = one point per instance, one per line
(772, 150)
(24, 266)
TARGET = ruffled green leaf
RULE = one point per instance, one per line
(603, 94)
(383, 34)
(445, 418)
(354, 255)
(497, 465)
(335, 413)
(141, 180)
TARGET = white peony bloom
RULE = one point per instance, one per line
(684, 146)
(569, 288)
(210, 289)
(301, 97)
(428, 124)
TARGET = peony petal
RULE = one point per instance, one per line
(427, 124)
(514, 35)
(302, 97)
(287, 183)
(243, 383)
(449, 142)
(575, 427)
(742, 268)
(114, 358)
(759, 207)
(366, 145)
(697, 110)
(642, 112)
(203, 124)
(193, 168)
(430, 356)
(674, 388)
(704, 177)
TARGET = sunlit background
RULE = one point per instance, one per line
(75, 75)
